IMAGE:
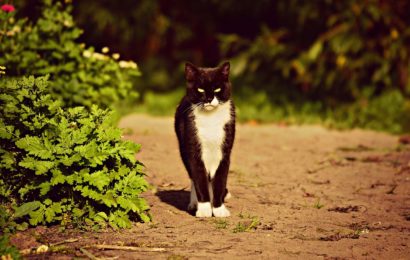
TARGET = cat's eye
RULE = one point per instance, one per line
(217, 90)
(200, 90)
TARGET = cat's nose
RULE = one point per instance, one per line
(209, 99)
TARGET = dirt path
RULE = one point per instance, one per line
(298, 192)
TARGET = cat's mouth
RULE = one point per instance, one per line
(209, 107)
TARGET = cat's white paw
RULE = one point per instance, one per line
(221, 212)
(204, 210)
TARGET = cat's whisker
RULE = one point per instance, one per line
(192, 108)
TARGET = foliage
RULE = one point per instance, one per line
(359, 51)
(8, 251)
(247, 223)
(317, 61)
(79, 75)
(387, 112)
(68, 166)
(6, 226)
(345, 63)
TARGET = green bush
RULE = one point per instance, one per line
(65, 165)
(79, 76)
(7, 250)
(333, 51)
(344, 62)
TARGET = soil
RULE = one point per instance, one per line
(297, 192)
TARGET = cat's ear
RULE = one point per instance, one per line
(224, 68)
(191, 71)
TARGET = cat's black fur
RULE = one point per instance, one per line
(208, 80)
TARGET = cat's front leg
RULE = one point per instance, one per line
(201, 191)
(219, 190)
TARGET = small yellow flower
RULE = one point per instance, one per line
(394, 34)
(341, 60)
(2, 67)
(42, 249)
(105, 50)
(115, 56)
(6, 257)
(298, 66)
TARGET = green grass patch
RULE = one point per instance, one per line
(388, 112)
(247, 223)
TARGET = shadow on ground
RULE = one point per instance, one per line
(177, 198)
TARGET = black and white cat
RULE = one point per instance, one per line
(205, 127)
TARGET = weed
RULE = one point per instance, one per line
(248, 223)
(221, 224)
(318, 205)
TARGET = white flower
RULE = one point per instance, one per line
(128, 64)
(115, 56)
(105, 50)
(87, 54)
(99, 56)
(68, 23)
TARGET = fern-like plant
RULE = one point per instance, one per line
(68, 166)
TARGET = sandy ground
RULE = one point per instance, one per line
(297, 192)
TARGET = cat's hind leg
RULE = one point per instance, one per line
(193, 201)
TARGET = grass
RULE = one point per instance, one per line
(247, 223)
(389, 112)
(221, 223)
(318, 205)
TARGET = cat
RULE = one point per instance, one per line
(205, 128)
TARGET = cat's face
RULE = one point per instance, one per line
(208, 87)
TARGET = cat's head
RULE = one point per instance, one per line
(208, 87)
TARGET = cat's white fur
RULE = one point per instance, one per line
(210, 122)
(204, 210)
(221, 211)
(211, 134)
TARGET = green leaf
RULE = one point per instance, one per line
(58, 177)
(99, 179)
(37, 216)
(40, 167)
(5, 131)
(26, 208)
(315, 50)
(34, 145)
(109, 199)
(127, 204)
(144, 217)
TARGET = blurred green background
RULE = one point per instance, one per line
(343, 64)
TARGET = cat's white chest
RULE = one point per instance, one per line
(211, 134)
